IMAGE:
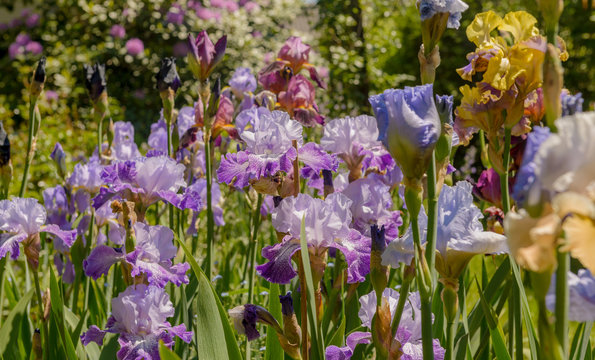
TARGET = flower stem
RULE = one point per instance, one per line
(46, 339)
(403, 294)
(252, 269)
(303, 308)
(30, 144)
(423, 277)
(432, 216)
(505, 193)
(210, 220)
(562, 301)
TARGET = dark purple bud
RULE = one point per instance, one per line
(246, 316)
(167, 77)
(249, 322)
(59, 158)
(95, 80)
(39, 75)
(4, 146)
(286, 304)
(327, 177)
(378, 240)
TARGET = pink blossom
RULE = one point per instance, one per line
(135, 46)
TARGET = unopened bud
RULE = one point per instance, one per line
(266, 99)
(291, 329)
(38, 78)
(36, 344)
(167, 77)
(378, 272)
(59, 157)
(95, 81)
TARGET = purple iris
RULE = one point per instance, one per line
(355, 141)
(371, 204)
(139, 316)
(85, 181)
(151, 257)
(409, 126)
(526, 178)
(326, 227)
(269, 149)
(429, 8)
(242, 81)
(408, 333)
(123, 146)
(146, 181)
(24, 218)
(581, 297)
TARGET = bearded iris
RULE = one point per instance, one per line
(409, 127)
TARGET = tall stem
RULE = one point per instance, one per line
(403, 294)
(30, 145)
(254, 241)
(562, 301)
(303, 309)
(432, 216)
(46, 339)
(210, 220)
(505, 193)
(423, 277)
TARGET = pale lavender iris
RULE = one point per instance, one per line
(199, 187)
(408, 333)
(325, 227)
(115, 231)
(152, 257)
(581, 298)
(371, 204)
(123, 146)
(571, 104)
(146, 181)
(460, 232)
(242, 81)
(525, 177)
(85, 181)
(409, 126)
(269, 149)
(355, 141)
(429, 8)
(57, 207)
(23, 218)
(139, 316)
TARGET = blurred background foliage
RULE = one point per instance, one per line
(360, 46)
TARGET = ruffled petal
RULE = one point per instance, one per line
(10, 243)
(158, 274)
(100, 260)
(94, 334)
(279, 269)
(345, 352)
(67, 236)
(356, 248)
(314, 156)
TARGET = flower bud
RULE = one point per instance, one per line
(36, 345)
(552, 84)
(266, 99)
(327, 178)
(245, 317)
(5, 165)
(95, 81)
(59, 157)
(38, 78)
(203, 55)
(378, 274)
(292, 331)
(450, 301)
(167, 77)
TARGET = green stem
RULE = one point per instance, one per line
(505, 193)
(46, 339)
(210, 220)
(413, 203)
(562, 301)
(99, 119)
(403, 295)
(30, 150)
(432, 216)
(450, 340)
(251, 278)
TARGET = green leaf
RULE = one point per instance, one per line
(10, 330)
(580, 343)
(166, 354)
(216, 340)
(499, 345)
(273, 347)
(317, 349)
(532, 335)
(58, 311)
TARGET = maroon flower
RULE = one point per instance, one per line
(203, 55)
(298, 101)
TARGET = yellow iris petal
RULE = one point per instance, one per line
(479, 30)
(520, 24)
